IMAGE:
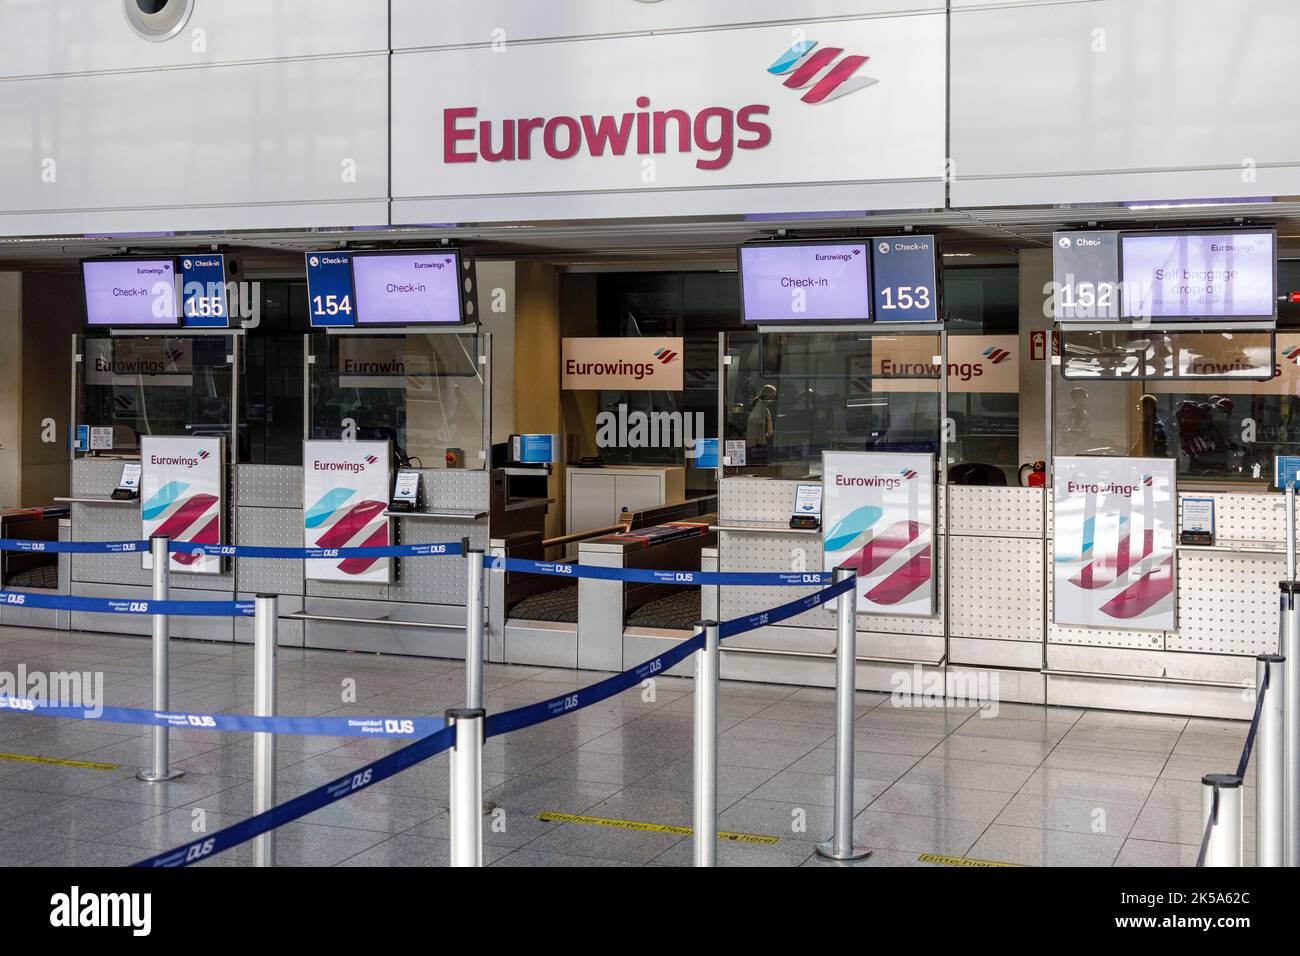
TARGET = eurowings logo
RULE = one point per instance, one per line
(1292, 354)
(360, 524)
(665, 355)
(908, 473)
(371, 459)
(1148, 480)
(996, 355)
(807, 68)
(1128, 575)
(193, 518)
(893, 563)
(205, 454)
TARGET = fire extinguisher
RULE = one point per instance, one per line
(1037, 476)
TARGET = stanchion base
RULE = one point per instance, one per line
(149, 776)
(488, 807)
(856, 852)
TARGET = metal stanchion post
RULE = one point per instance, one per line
(706, 748)
(264, 642)
(474, 628)
(161, 771)
(474, 639)
(1290, 530)
(1269, 748)
(466, 786)
(841, 846)
(1225, 836)
(1290, 650)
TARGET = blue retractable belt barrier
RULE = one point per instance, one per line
(74, 547)
(639, 576)
(521, 717)
(786, 611)
(381, 769)
(68, 602)
(567, 703)
(259, 551)
(408, 727)
(494, 725)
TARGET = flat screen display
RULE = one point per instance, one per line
(806, 283)
(1181, 275)
(419, 288)
(125, 293)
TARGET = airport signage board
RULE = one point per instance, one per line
(1085, 273)
(623, 364)
(878, 516)
(139, 361)
(329, 289)
(976, 363)
(345, 495)
(129, 293)
(182, 496)
(203, 291)
(805, 282)
(905, 278)
(1226, 275)
(1113, 542)
(403, 289)
(832, 116)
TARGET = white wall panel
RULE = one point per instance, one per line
(1117, 100)
(438, 23)
(42, 37)
(246, 146)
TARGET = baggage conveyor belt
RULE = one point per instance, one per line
(677, 611)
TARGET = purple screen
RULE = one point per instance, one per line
(419, 289)
(130, 292)
(1182, 276)
(805, 283)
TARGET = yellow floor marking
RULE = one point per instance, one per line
(55, 762)
(549, 816)
(958, 861)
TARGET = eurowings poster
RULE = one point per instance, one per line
(345, 495)
(879, 517)
(181, 496)
(1113, 544)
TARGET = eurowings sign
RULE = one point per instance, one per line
(1113, 543)
(644, 122)
(181, 496)
(623, 364)
(345, 494)
(879, 517)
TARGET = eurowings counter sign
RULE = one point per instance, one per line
(1113, 542)
(879, 516)
(181, 496)
(345, 495)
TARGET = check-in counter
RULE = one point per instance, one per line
(34, 573)
(656, 612)
(421, 611)
(754, 534)
(992, 632)
(555, 621)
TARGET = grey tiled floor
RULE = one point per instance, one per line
(1031, 785)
